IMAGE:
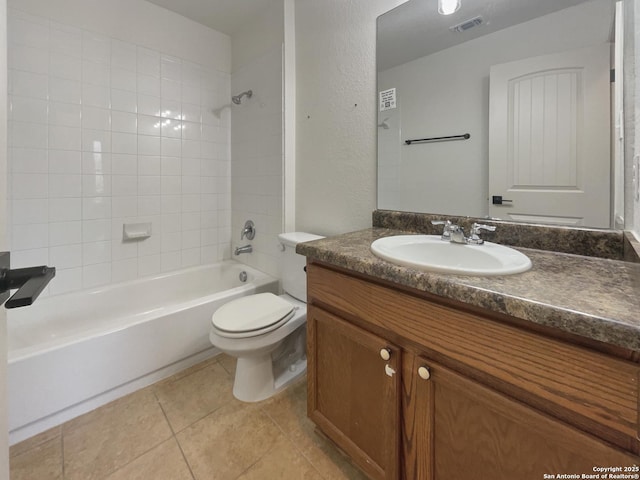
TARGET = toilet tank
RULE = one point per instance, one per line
(294, 278)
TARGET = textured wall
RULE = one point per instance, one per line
(336, 114)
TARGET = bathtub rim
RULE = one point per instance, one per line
(120, 323)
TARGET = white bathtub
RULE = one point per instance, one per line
(71, 353)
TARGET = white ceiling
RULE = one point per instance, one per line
(415, 29)
(225, 16)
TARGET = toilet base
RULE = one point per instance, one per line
(257, 378)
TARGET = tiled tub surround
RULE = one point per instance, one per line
(105, 132)
(594, 298)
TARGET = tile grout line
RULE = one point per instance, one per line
(295, 446)
(173, 434)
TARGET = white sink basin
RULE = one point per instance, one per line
(430, 252)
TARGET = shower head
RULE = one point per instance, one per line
(237, 99)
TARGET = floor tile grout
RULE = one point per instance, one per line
(175, 437)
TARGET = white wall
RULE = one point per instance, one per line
(447, 93)
(257, 175)
(91, 150)
(336, 113)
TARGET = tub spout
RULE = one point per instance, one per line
(243, 249)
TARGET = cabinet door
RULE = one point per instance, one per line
(353, 391)
(454, 426)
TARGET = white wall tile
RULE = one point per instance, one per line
(64, 114)
(149, 85)
(124, 206)
(30, 185)
(65, 209)
(96, 73)
(149, 185)
(149, 265)
(96, 47)
(96, 185)
(149, 104)
(64, 90)
(148, 145)
(65, 39)
(88, 151)
(29, 211)
(29, 160)
(27, 109)
(124, 122)
(148, 62)
(149, 125)
(95, 118)
(65, 233)
(124, 164)
(148, 164)
(65, 66)
(64, 186)
(28, 59)
(96, 252)
(123, 55)
(96, 275)
(29, 258)
(96, 96)
(27, 237)
(124, 185)
(96, 208)
(28, 135)
(149, 205)
(66, 280)
(64, 138)
(66, 256)
(124, 143)
(123, 270)
(96, 230)
(124, 100)
(96, 163)
(29, 84)
(122, 79)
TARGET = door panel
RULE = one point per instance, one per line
(476, 429)
(353, 393)
(549, 138)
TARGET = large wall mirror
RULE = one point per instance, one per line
(506, 109)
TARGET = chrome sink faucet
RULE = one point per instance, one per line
(455, 233)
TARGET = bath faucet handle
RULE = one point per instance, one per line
(446, 232)
(249, 230)
(476, 228)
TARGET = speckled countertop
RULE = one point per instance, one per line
(592, 297)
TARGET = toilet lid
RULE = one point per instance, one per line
(251, 313)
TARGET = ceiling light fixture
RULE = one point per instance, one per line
(447, 7)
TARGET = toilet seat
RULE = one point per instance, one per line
(252, 315)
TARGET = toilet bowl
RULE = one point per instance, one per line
(267, 332)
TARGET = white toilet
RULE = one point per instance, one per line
(267, 332)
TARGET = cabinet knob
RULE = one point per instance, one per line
(424, 373)
(385, 354)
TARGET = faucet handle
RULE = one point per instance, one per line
(249, 230)
(446, 232)
(476, 228)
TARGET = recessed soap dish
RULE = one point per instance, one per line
(136, 231)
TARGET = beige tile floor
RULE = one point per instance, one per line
(188, 426)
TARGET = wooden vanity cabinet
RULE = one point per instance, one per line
(354, 391)
(470, 395)
(454, 426)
